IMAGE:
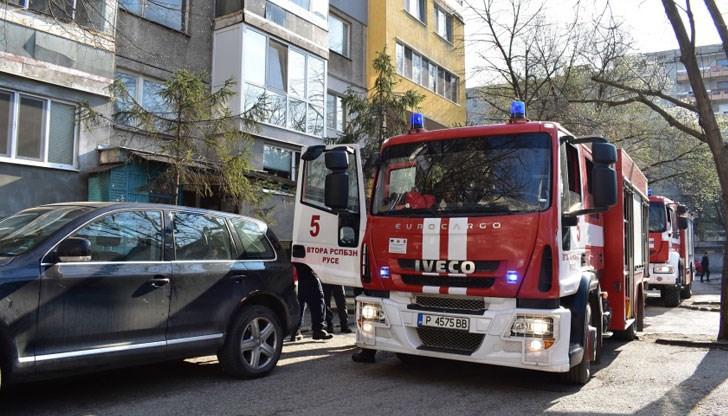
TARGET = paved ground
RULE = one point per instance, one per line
(690, 325)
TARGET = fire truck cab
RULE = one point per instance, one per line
(671, 250)
(515, 244)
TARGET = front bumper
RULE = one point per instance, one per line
(662, 274)
(489, 339)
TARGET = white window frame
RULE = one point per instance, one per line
(25, 4)
(417, 9)
(338, 106)
(184, 6)
(439, 89)
(294, 158)
(448, 20)
(346, 40)
(139, 87)
(12, 140)
(308, 99)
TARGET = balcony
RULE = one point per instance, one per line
(708, 72)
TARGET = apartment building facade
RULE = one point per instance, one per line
(425, 40)
(713, 63)
(51, 61)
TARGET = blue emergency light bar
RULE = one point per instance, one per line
(384, 272)
(649, 192)
(417, 121)
(518, 109)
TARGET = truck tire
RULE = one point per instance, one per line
(640, 318)
(671, 296)
(253, 345)
(580, 373)
(598, 323)
(687, 291)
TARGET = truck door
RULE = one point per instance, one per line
(326, 240)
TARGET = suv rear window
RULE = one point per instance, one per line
(253, 239)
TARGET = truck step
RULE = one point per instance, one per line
(607, 334)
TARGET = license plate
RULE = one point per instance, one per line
(440, 321)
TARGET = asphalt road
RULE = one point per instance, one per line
(318, 378)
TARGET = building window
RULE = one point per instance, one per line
(37, 129)
(335, 112)
(318, 7)
(143, 91)
(723, 63)
(292, 81)
(416, 8)
(443, 23)
(275, 14)
(90, 14)
(168, 13)
(223, 7)
(280, 162)
(426, 73)
(338, 36)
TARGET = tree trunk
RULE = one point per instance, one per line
(712, 135)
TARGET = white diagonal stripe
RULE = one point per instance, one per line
(457, 239)
(431, 239)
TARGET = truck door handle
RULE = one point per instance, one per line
(158, 281)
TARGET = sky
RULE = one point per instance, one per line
(645, 20)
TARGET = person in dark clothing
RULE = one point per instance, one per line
(705, 264)
(337, 291)
(310, 293)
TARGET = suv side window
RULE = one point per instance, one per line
(201, 237)
(125, 236)
(255, 245)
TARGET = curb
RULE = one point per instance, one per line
(720, 345)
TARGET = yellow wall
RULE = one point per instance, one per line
(390, 22)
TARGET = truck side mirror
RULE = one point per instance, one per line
(604, 153)
(605, 186)
(682, 223)
(336, 192)
(682, 209)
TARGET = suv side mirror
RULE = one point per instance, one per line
(74, 249)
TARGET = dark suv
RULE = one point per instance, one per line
(85, 286)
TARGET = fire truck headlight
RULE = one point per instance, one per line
(367, 328)
(535, 345)
(371, 312)
(534, 326)
(663, 268)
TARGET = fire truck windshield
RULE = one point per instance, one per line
(658, 220)
(486, 175)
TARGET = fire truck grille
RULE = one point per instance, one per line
(450, 303)
(449, 281)
(450, 339)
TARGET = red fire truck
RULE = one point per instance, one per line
(671, 250)
(515, 244)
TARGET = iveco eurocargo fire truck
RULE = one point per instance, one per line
(515, 244)
(671, 250)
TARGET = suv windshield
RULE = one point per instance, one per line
(658, 222)
(470, 176)
(21, 232)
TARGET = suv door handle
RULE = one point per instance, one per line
(158, 281)
(238, 278)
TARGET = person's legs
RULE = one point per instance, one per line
(340, 299)
(707, 273)
(327, 289)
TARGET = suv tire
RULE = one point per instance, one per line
(253, 345)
